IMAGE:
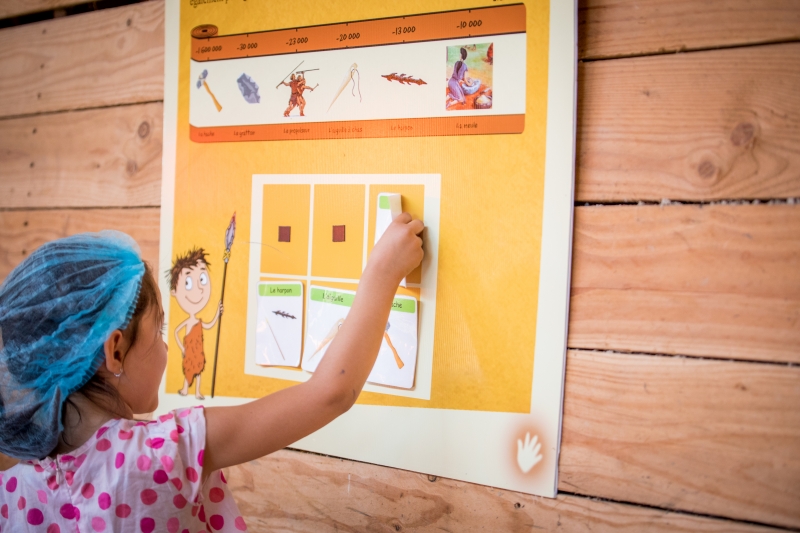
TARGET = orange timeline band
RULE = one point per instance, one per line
(396, 30)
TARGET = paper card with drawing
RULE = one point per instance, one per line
(397, 358)
(279, 334)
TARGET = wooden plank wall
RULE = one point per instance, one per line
(682, 388)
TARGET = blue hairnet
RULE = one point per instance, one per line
(57, 308)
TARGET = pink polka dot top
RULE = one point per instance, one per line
(130, 476)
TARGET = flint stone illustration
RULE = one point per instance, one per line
(249, 89)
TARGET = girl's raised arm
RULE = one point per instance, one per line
(238, 434)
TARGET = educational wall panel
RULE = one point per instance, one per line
(283, 131)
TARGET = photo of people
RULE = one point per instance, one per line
(469, 75)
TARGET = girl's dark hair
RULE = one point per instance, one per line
(463, 54)
(99, 391)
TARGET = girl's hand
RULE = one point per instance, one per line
(399, 250)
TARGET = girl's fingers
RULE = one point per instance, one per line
(416, 226)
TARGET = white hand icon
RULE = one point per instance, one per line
(528, 454)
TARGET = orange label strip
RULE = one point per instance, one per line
(420, 127)
(409, 29)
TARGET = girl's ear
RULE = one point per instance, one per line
(173, 292)
(115, 349)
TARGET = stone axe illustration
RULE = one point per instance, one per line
(201, 82)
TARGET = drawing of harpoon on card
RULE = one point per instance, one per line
(279, 330)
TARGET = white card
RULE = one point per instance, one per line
(279, 331)
(397, 358)
(390, 205)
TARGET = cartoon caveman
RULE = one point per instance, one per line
(190, 284)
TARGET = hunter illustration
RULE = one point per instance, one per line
(297, 83)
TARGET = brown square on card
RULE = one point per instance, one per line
(338, 234)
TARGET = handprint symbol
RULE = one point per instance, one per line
(528, 453)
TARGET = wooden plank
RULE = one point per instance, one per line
(614, 28)
(21, 232)
(703, 126)
(299, 492)
(717, 281)
(15, 8)
(108, 57)
(712, 437)
(98, 158)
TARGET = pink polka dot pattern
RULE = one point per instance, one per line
(104, 501)
(160, 477)
(147, 525)
(35, 517)
(98, 524)
(68, 511)
(123, 510)
(153, 486)
(168, 463)
(154, 443)
(216, 522)
(179, 501)
(143, 462)
(148, 496)
(87, 491)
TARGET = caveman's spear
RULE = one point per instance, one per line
(229, 233)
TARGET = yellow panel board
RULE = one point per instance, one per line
(285, 205)
(338, 205)
(490, 228)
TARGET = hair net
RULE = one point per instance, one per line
(57, 308)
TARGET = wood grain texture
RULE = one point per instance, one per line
(21, 232)
(97, 158)
(103, 58)
(614, 28)
(717, 281)
(298, 492)
(710, 125)
(15, 8)
(712, 437)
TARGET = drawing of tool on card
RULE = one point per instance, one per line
(350, 77)
(386, 337)
(201, 82)
(265, 322)
(390, 206)
(328, 338)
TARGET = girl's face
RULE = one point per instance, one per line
(144, 364)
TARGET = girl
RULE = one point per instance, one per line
(81, 351)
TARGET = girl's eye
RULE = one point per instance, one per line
(203, 278)
(189, 283)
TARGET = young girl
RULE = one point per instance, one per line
(81, 351)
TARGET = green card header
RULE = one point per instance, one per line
(402, 305)
(280, 289)
(332, 297)
(383, 202)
